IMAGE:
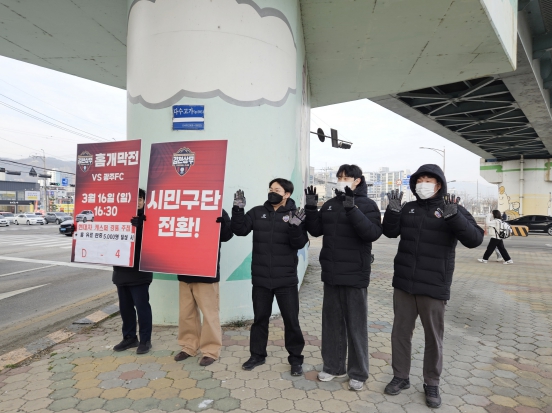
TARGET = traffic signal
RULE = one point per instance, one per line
(54, 184)
(333, 133)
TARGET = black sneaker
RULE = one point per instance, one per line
(297, 370)
(396, 385)
(144, 347)
(126, 344)
(433, 399)
(252, 363)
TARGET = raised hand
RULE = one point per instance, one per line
(311, 196)
(138, 221)
(297, 218)
(239, 199)
(395, 200)
(451, 206)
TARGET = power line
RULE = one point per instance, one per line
(33, 149)
(33, 166)
(52, 124)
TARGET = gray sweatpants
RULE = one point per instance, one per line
(407, 307)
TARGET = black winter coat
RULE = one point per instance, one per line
(130, 276)
(424, 263)
(275, 243)
(347, 244)
(225, 235)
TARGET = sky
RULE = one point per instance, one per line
(380, 137)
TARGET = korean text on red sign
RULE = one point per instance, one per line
(183, 202)
(106, 193)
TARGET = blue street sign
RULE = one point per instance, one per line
(64, 181)
(406, 182)
(188, 117)
(408, 176)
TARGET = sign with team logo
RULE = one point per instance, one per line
(106, 196)
(183, 201)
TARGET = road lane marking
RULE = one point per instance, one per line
(65, 264)
(16, 292)
(32, 269)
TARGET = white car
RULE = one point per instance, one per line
(9, 216)
(84, 216)
(4, 222)
(29, 219)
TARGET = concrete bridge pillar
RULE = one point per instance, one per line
(245, 61)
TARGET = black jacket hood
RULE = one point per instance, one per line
(434, 170)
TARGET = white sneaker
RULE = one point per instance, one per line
(323, 376)
(482, 260)
(356, 385)
(508, 262)
(499, 259)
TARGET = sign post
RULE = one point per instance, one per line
(183, 202)
(106, 195)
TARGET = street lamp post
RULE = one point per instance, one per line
(440, 152)
(43, 157)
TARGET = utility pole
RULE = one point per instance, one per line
(45, 199)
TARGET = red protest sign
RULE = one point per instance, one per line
(106, 196)
(183, 202)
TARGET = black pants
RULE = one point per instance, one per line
(493, 244)
(345, 325)
(288, 301)
(132, 300)
(407, 307)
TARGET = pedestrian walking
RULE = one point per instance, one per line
(133, 290)
(429, 229)
(494, 224)
(201, 294)
(278, 233)
(349, 222)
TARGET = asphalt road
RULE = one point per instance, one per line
(41, 291)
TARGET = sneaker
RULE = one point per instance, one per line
(206, 361)
(433, 399)
(356, 385)
(144, 347)
(297, 370)
(323, 376)
(126, 344)
(482, 260)
(181, 356)
(508, 262)
(499, 259)
(396, 385)
(252, 363)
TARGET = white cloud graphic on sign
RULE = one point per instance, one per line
(203, 49)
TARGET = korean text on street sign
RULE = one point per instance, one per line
(183, 202)
(107, 194)
(188, 117)
(64, 181)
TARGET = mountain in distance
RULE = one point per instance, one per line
(51, 163)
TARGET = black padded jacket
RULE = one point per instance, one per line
(424, 263)
(347, 244)
(275, 243)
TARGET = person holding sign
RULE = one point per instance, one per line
(349, 222)
(201, 293)
(133, 289)
(278, 233)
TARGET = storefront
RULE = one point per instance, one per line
(19, 196)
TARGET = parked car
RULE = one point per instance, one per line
(29, 219)
(67, 227)
(4, 222)
(9, 216)
(57, 217)
(85, 215)
(535, 223)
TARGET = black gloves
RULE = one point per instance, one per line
(395, 199)
(239, 199)
(220, 220)
(349, 201)
(451, 206)
(138, 221)
(311, 201)
(297, 218)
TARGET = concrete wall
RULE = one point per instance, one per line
(245, 61)
(537, 192)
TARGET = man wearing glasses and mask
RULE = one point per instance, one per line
(278, 233)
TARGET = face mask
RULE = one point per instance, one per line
(274, 198)
(425, 190)
(340, 186)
